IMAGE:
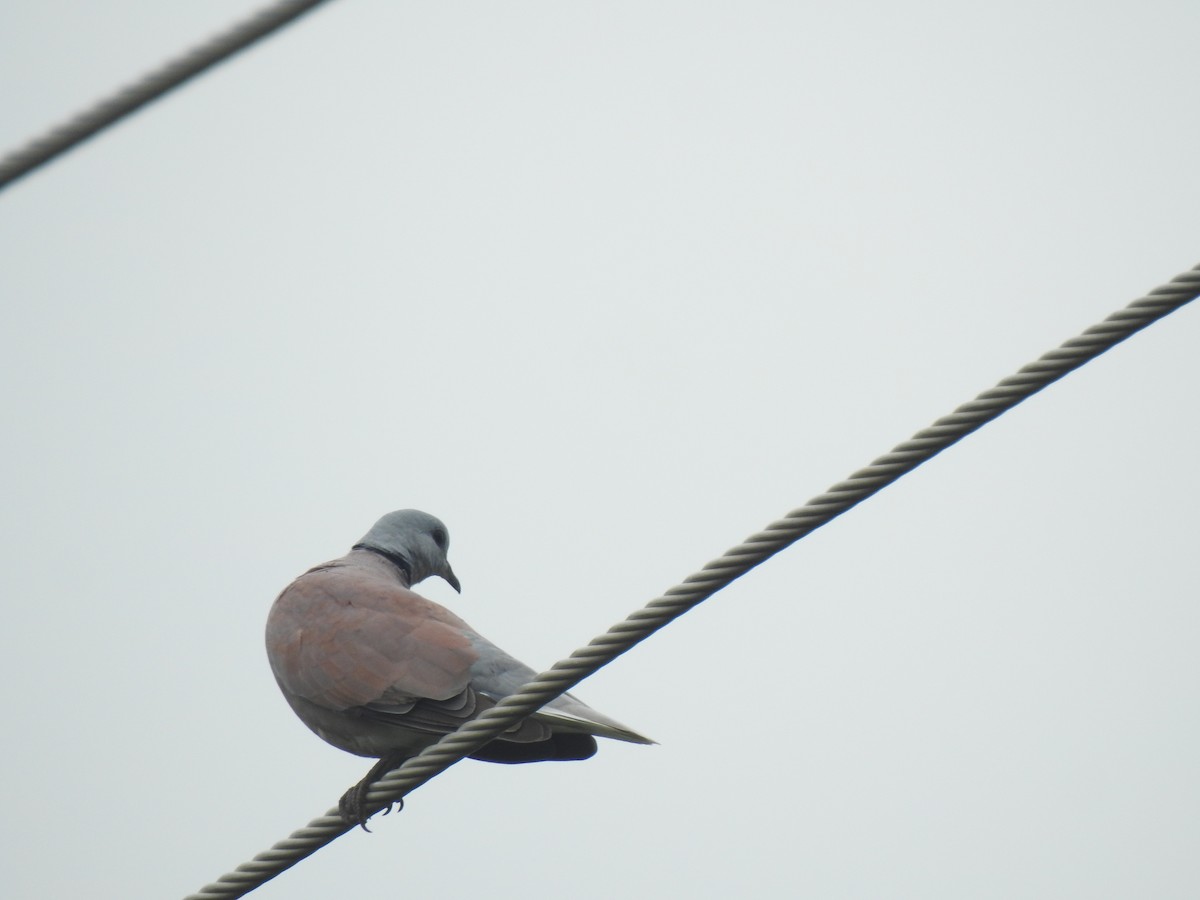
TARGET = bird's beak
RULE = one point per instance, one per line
(451, 579)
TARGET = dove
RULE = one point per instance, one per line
(377, 670)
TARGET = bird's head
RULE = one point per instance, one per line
(414, 540)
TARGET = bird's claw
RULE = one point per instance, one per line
(353, 805)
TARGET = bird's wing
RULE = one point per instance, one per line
(344, 638)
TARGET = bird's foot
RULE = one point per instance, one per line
(353, 805)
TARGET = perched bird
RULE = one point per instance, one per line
(377, 670)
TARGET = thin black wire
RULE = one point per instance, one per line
(149, 87)
(694, 589)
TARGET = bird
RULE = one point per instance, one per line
(377, 670)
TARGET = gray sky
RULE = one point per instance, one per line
(607, 287)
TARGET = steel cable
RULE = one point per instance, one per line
(132, 97)
(694, 589)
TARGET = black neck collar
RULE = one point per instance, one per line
(394, 558)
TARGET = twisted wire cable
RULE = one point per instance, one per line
(694, 589)
(96, 118)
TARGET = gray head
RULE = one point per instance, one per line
(414, 540)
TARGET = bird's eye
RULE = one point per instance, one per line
(439, 538)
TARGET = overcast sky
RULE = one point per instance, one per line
(607, 287)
